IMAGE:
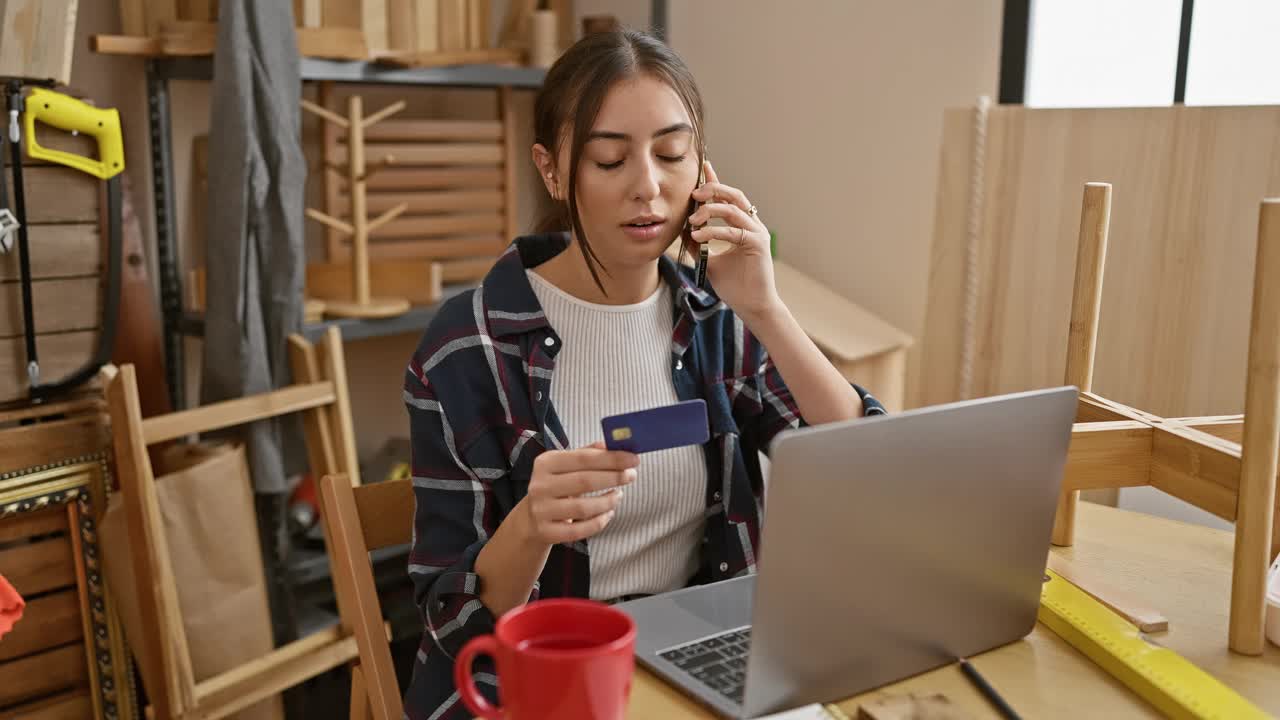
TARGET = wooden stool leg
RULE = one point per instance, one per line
(1082, 339)
(1255, 505)
(359, 698)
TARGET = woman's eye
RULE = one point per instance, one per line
(671, 158)
(609, 166)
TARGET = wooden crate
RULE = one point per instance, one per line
(67, 260)
(66, 658)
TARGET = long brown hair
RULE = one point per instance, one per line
(573, 93)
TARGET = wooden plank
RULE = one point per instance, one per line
(31, 445)
(411, 131)
(453, 24)
(435, 178)
(1198, 468)
(426, 16)
(1255, 512)
(60, 195)
(229, 413)
(429, 202)
(312, 13)
(70, 705)
(417, 281)
(341, 13)
(465, 270)
(478, 24)
(337, 43)
(402, 29)
(316, 423)
(429, 226)
(1108, 455)
(60, 355)
(43, 522)
(1095, 584)
(373, 20)
(47, 622)
(58, 251)
(429, 154)
(49, 672)
(353, 581)
(197, 10)
(259, 680)
(386, 512)
(38, 39)
(470, 247)
(154, 587)
(161, 15)
(133, 17)
(333, 365)
(38, 567)
(1226, 427)
(61, 305)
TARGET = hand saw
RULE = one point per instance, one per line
(103, 125)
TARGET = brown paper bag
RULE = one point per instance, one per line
(207, 509)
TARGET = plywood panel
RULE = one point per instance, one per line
(60, 195)
(1177, 285)
(58, 251)
(60, 354)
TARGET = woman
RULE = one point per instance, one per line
(516, 496)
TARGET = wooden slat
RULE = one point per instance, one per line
(229, 413)
(429, 154)
(61, 305)
(436, 249)
(198, 10)
(306, 369)
(1226, 427)
(47, 622)
(402, 30)
(58, 251)
(428, 202)
(133, 17)
(426, 226)
(386, 513)
(269, 675)
(415, 131)
(39, 567)
(410, 179)
(417, 281)
(1095, 584)
(333, 364)
(1198, 468)
(353, 581)
(39, 36)
(49, 672)
(1108, 455)
(23, 447)
(71, 705)
(335, 43)
(43, 522)
(60, 195)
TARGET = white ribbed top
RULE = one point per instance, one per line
(615, 359)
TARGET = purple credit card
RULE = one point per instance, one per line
(659, 428)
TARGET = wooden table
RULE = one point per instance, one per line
(1182, 570)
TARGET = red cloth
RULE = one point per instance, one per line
(11, 604)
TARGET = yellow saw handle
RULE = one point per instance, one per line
(67, 113)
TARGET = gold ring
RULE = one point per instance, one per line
(741, 233)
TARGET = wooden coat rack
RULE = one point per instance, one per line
(362, 303)
(1224, 465)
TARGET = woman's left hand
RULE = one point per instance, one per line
(742, 275)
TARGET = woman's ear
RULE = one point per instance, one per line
(543, 160)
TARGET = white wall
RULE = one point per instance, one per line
(828, 114)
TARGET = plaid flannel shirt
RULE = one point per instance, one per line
(478, 395)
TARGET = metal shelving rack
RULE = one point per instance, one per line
(179, 324)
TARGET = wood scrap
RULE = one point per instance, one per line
(444, 58)
(911, 707)
(1145, 618)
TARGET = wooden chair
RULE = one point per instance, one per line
(1224, 465)
(321, 395)
(359, 520)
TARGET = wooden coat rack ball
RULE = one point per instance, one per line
(357, 173)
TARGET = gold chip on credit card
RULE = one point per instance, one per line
(622, 433)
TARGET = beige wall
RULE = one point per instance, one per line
(828, 114)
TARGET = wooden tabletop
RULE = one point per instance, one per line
(1182, 570)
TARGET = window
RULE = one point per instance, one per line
(1234, 56)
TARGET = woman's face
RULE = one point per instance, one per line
(639, 165)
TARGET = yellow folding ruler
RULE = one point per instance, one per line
(1162, 677)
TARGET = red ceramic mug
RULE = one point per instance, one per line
(561, 658)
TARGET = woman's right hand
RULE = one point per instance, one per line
(565, 503)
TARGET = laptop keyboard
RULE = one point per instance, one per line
(719, 662)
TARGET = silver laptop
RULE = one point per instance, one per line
(892, 545)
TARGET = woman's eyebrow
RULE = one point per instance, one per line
(610, 135)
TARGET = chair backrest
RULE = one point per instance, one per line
(360, 519)
(322, 397)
